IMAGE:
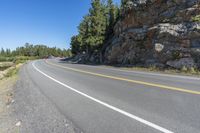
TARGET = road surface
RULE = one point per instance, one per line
(100, 99)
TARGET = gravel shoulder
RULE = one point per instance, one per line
(31, 112)
(7, 124)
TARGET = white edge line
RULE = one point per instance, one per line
(107, 105)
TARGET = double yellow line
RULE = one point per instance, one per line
(128, 80)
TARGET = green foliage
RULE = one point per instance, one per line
(196, 18)
(12, 72)
(192, 70)
(95, 28)
(23, 59)
(176, 55)
(29, 50)
(5, 65)
(184, 69)
(6, 59)
(113, 14)
(98, 25)
(17, 59)
(76, 44)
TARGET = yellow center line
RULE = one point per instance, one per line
(129, 80)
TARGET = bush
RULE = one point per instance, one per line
(22, 59)
(176, 55)
(5, 65)
(6, 59)
(196, 18)
(17, 59)
(184, 69)
(12, 71)
(192, 70)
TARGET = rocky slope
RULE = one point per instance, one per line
(157, 32)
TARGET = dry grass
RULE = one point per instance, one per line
(5, 65)
(10, 71)
(188, 72)
(7, 82)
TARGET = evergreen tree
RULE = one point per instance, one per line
(95, 28)
(2, 52)
(84, 34)
(8, 52)
(113, 14)
(98, 25)
(75, 45)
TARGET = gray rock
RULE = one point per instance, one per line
(195, 43)
(184, 62)
(159, 47)
(161, 31)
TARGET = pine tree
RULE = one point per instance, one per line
(75, 45)
(95, 28)
(113, 14)
(98, 25)
(84, 34)
(2, 52)
(8, 52)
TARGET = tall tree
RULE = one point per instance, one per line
(113, 12)
(98, 25)
(2, 52)
(84, 34)
(75, 45)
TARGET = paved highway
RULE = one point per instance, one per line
(100, 99)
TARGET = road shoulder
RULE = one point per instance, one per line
(29, 111)
(7, 123)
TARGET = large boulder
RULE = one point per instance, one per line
(156, 31)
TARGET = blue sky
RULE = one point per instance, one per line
(49, 22)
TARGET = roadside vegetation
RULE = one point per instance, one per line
(11, 60)
(96, 27)
(9, 69)
(30, 51)
(10, 63)
(96, 30)
(7, 83)
(196, 18)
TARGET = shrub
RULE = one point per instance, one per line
(184, 69)
(176, 55)
(192, 70)
(196, 18)
(6, 59)
(12, 72)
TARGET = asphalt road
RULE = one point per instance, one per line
(100, 99)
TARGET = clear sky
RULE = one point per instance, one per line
(49, 22)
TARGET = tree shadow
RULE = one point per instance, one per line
(71, 61)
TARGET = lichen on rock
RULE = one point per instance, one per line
(161, 31)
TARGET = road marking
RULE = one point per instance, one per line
(130, 80)
(159, 128)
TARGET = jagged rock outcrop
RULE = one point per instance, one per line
(157, 32)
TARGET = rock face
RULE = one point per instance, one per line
(157, 32)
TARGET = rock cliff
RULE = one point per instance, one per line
(157, 32)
